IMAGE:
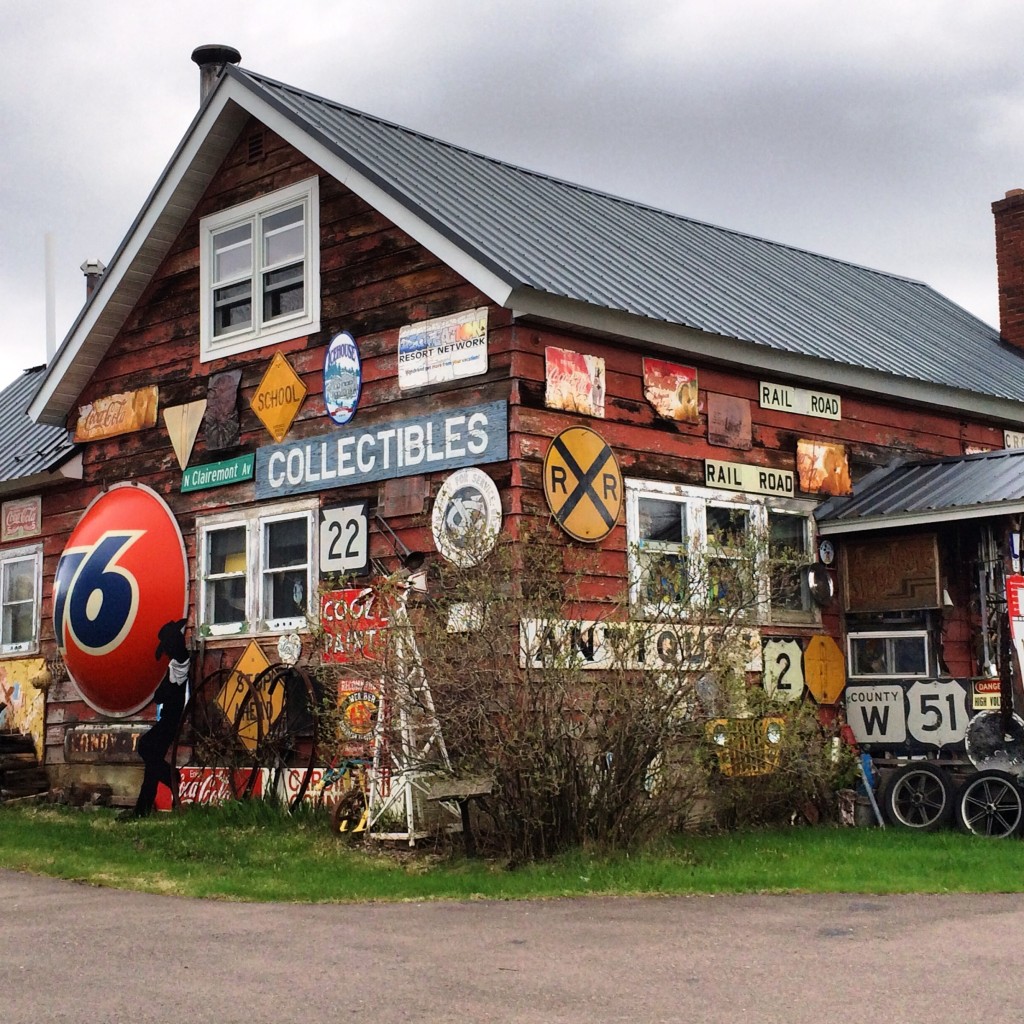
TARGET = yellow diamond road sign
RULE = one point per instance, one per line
(278, 397)
(582, 484)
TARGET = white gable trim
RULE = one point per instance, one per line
(169, 206)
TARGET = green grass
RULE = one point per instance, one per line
(255, 853)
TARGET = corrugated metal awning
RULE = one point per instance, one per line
(929, 491)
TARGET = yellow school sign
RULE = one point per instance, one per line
(278, 397)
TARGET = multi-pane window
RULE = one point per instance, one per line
(19, 600)
(903, 653)
(260, 263)
(694, 546)
(257, 571)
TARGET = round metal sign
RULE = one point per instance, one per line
(121, 577)
(467, 517)
(343, 378)
(583, 484)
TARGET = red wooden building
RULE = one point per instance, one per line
(738, 382)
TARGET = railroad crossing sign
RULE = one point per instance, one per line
(582, 484)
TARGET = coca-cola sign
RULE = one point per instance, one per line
(20, 519)
(214, 785)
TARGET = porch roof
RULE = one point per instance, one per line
(929, 491)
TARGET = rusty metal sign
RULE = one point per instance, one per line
(103, 744)
(237, 686)
(278, 398)
(583, 484)
(117, 414)
(824, 669)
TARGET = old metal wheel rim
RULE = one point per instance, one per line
(991, 806)
(919, 799)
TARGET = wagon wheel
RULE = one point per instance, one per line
(287, 748)
(220, 732)
(918, 796)
(990, 804)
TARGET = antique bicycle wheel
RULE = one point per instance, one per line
(217, 741)
(287, 747)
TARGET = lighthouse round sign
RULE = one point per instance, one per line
(121, 577)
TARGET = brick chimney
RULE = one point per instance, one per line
(94, 270)
(1009, 215)
(211, 60)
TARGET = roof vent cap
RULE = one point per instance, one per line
(211, 59)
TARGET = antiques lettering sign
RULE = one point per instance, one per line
(21, 518)
(471, 436)
(892, 575)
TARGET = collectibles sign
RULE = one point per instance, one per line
(343, 379)
(909, 715)
(444, 440)
(121, 577)
(441, 350)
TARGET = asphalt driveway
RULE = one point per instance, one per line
(73, 953)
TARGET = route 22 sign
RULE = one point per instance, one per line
(121, 577)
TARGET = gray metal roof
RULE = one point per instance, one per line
(907, 493)
(538, 232)
(27, 449)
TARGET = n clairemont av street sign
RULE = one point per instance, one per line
(448, 440)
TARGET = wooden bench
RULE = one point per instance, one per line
(461, 790)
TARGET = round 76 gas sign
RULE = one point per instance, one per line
(121, 577)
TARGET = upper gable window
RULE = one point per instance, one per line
(260, 266)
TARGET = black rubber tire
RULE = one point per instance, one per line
(990, 804)
(918, 796)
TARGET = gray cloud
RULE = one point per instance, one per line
(874, 132)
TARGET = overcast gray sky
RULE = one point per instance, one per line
(876, 131)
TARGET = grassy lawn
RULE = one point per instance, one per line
(251, 852)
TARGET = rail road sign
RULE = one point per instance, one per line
(583, 484)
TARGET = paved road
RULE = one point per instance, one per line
(73, 953)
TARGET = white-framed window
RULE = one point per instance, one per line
(20, 590)
(899, 653)
(260, 267)
(257, 570)
(684, 540)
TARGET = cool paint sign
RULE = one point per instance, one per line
(121, 577)
(909, 714)
(446, 440)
